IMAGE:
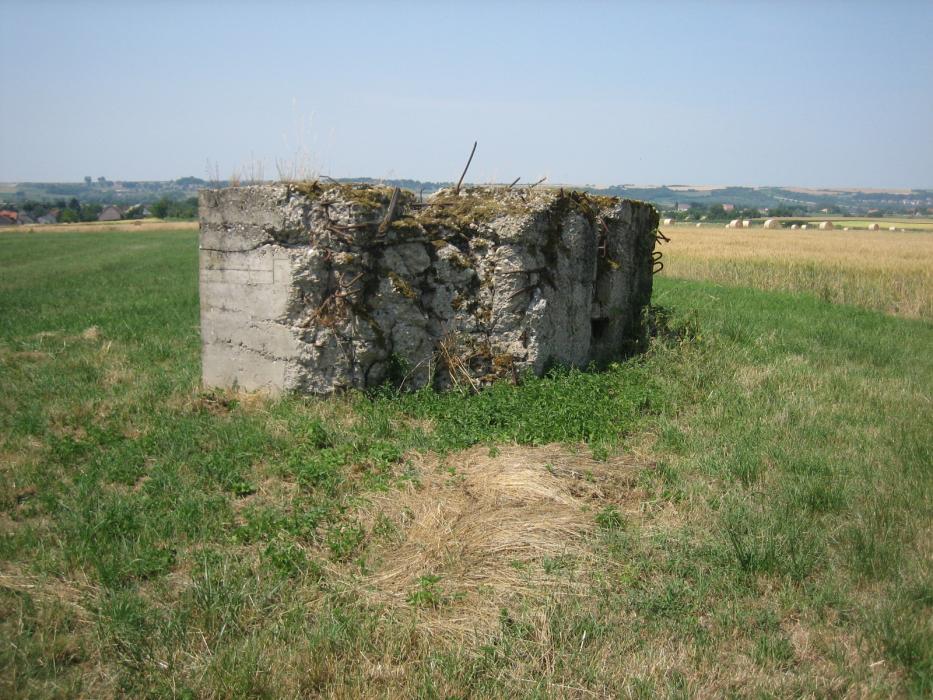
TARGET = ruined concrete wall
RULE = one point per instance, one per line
(306, 288)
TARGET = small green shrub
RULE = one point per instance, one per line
(428, 594)
(285, 556)
(343, 539)
(609, 518)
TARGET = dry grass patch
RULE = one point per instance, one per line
(71, 594)
(12, 357)
(125, 226)
(480, 527)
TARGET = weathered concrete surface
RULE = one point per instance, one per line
(304, 289)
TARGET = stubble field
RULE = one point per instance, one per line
(883, 270)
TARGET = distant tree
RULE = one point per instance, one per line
(716, 212)
(787, 211)
(87, 180)
(89, 212)
(74, 204)
(68, 216)
(34, 209)
(191, 180)
(166, 208)
(160, 208)
(102, 180)
(187, 209)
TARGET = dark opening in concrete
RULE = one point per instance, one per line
(598, 329)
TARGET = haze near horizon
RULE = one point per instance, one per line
(812, 95)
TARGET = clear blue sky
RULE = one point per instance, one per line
(751, 93)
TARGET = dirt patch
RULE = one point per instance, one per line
(219, 402)
(481, 527)
(91, 333)
(72, 595)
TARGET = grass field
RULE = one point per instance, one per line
(745, 510)
(882, 270)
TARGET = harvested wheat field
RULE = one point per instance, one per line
(881, 270)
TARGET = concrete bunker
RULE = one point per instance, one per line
(318, 287)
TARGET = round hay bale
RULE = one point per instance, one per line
(874, 227)
(826, 226)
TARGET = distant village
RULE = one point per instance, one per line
(9, 217)
(28, 203)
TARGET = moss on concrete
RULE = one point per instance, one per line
(403, 287)
(463, 212)
(363, 195)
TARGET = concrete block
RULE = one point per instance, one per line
(308, 288)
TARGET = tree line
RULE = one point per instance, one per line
(718, 212)
(74, 210)
(167, 208)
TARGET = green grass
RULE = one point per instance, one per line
(160, 541)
